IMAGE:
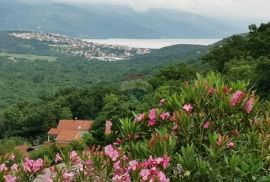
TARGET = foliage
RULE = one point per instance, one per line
(211, 130)
(167, 127)
(244, 57)
(37, 69)
(7, 145)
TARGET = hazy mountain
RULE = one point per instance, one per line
(103, 21)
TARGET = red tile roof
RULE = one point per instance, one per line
(68, 130)
(53, 131)
(68, 136)
(83, 125)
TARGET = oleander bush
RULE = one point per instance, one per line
(212, 130)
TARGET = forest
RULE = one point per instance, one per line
(72, 87)
(30, 69)
(202, 117)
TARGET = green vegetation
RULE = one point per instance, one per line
(209, 126)
(29, 57)
(36, 94)
(23, 78)
(211, 130)
(212, 125)
(244, 57)
(8, 145)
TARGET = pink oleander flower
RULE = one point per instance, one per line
(10, 178)
(162, 102)
(159, 160)
(74, 157)
(236, 97)
(108, 127)
(165, 162)
(37, 165)
(116, 165)
(162, 177)
(33, 166)
(152, 122)
(226, 89)
(152, 117)
(150, 169)
(211, 91)
(150, 161)
(111, 152)
(219, 140)
(230, 145)
(28, 164)
(3, 167)
(14, 167)
(145, 174)
(68, 177)
(206, 125)
(89, 163)
(122, 176)
(140, 117)
(152, 114)
(133, 164)
(58, 158)
(249, 105)
(165, 115)
(188, 108)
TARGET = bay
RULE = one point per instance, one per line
(152, 43)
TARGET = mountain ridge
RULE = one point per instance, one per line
(103, 21)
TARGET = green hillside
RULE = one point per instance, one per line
(45, 91)
(31, 68)
(107, 21)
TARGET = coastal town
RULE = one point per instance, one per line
(93, 51)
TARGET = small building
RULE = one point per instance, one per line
(69, 130)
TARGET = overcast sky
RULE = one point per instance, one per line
(246, 10)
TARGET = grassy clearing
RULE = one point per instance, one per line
(28, 57)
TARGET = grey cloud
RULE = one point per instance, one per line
(246, 10)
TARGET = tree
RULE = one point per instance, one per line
(262, 78)
(230, 48)
(66, 113)
(259, 40)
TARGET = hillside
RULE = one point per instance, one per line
(175, 51)
(51, 44)
(37, 68)
(178, 123)
(103, 21)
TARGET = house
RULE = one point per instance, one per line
(69, 130)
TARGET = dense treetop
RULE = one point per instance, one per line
(36, 94)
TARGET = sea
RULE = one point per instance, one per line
(152, 43)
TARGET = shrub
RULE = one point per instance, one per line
(210, 131)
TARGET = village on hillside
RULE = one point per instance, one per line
(77, 47)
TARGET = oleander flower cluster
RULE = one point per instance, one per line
(210, 131)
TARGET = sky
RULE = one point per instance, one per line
(246, 10)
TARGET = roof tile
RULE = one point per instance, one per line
(68, 130)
